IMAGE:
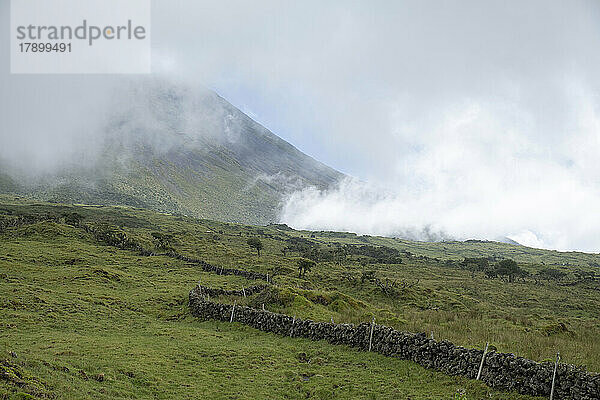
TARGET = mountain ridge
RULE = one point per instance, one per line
(172, 149)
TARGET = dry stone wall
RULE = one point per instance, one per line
(220, 270)
(249, 291)
(122, 241)
(500, 370)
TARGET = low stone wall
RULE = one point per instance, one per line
(126, 243)
(220, 270)
(500, 370)
(15, 221)
(208, 292)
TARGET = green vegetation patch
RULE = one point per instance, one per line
(91, 320)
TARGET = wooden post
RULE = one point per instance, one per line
(267, 278)
(482, 359)
(332, 320)
(431, 335)
(244, 291)
(292, 328)
(371, 335)
(263, 306)
(232, 309)
(554, 375)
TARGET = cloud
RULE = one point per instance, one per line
(358, 207)
(329, 76)
(281, 181)
(475, 173)
(58, 126)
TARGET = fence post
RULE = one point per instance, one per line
(482, 359)
(554, 375)
(431, 335)
(292, 328)
(267, 278)
(244, 291)
(232, 309)
(263, 306)
(371, 335)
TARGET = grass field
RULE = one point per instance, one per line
(87, 320)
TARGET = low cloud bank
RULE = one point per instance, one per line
(52, 127)
(359, 207)
(364, 208)
(478, 170)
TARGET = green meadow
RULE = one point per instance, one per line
(83, 319)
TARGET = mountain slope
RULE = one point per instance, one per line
(173, 149)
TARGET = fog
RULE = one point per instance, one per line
(471, 119)
(478, 170)
(67, 124)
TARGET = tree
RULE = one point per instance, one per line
(509, 268)
(313, 253)
(304, 266)
(339, 255)
(491, 272)
(475, 265)
(256, 244)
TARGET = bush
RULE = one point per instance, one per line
(510, 269)
(256, 244)
(304, 266)
(551, 274)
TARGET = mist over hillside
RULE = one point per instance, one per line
(166, 146)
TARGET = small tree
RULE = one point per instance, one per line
(256, 244)
(304, 266)
(475, 265)
(509, 268)
(313, 253)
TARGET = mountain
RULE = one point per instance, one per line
(170, 148)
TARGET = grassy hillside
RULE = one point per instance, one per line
(179, 151)
(89, 320)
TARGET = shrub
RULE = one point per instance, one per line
(510, 269)
(304, 266)
(256, 244)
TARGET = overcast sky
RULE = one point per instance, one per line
(341, 78)
(468, 118)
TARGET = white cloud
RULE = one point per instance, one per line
(474, 173)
